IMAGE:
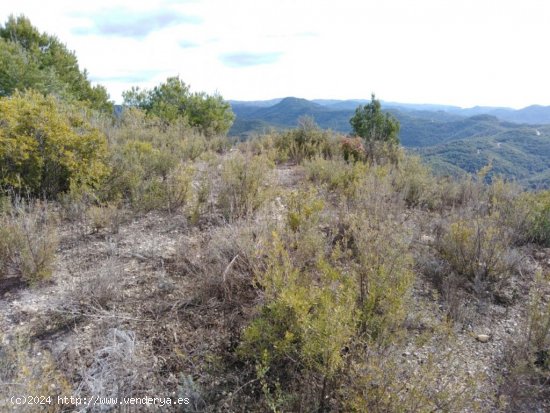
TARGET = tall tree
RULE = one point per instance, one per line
(33, 60)
(378, 129)
(172, 100)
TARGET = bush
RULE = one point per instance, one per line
(104, 217)
(352, 149)
(416, 183)
(28, 241)
(242, 185)
(527, 359)
(307, 321)
(47, 147)
(477, 250)
(537, 225)
(338, 175)
(305, 142)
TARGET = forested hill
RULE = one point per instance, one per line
(451, 142)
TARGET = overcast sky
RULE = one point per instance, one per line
(460, 52)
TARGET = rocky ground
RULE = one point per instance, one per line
(121, 315)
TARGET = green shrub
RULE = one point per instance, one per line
(242, 185)
(537, 206)
(307, 321)
(28, 241)
(305, 142)
(338, 175)
(416, 183)
(46, 147)
(477, 249)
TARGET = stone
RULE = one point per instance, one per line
(540, 255)
(427, 239)
(483, 338)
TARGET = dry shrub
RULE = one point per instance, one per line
(30, 372)
(99, 288)
(416, 183)
(104, 217)
(178, 187)
(338, 175)
(28, 241)
(307, 141)
(116, 370)
(242, 186)
(477, 249)
(223, 261)
(526, 373)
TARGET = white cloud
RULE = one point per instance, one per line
(468, 52)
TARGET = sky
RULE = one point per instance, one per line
(460, 52)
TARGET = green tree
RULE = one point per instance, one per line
(47, 147)
(172, 101)
(379, 130)
(33, 60)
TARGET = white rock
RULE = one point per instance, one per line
(483, 338)
(427, 239)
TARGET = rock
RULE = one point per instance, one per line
(427, 239)
(483, 338)
(540, 255)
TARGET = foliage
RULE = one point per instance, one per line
(537, 225)
(352, 149)
(242, 185)
(28, 240)
(172, 101)
(417, 184)
(339, 176)
(34, 60)
(378, 129)
(477, 250)
(305, 142)
(307, 320)
(46, 147)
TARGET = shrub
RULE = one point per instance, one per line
(527, 358)
(104, 217)
(352, 149)
(307, 320)
(338, 175)
(416, 183)
(28, 241)
(537, 225)
(305, 142)
(47, 147)
(477, 249)
(242, 185)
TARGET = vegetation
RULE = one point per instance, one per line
(47, 147)
(452, 144)
(172, 101)
(33, 60)
(299, 271)
(375, 127)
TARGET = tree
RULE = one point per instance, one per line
(379, 130)
(172, 101)
(33, 60)
(47, 147)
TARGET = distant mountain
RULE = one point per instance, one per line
(518, 153)
(330, 113)
(453, 140)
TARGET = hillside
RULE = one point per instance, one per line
(451, 143)
(253, 281)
